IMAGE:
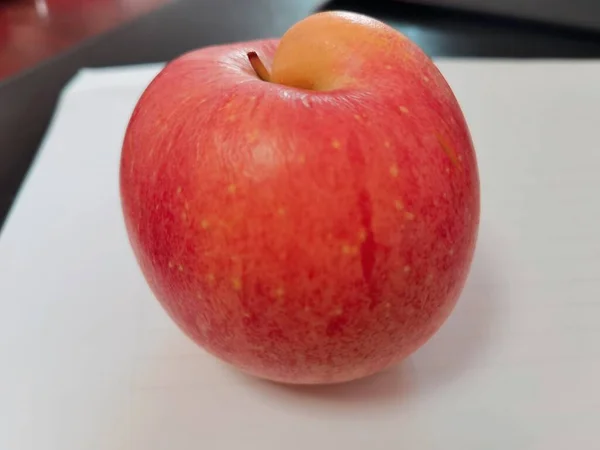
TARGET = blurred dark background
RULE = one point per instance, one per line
(44, 42)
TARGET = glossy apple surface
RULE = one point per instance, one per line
(317, 227)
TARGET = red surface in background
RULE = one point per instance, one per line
(34, 30)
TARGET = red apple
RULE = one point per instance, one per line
(307, 213)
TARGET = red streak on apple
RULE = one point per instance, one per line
(314, 228)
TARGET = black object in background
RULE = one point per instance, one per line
(27, 101)
(443, 31)
(584, 14)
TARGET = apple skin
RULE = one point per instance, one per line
(314, 234)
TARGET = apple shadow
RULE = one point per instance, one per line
(464, 341)
(384, 389)
(456, 348)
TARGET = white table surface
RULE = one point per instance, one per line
(89, 361)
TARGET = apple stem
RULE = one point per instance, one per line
(259, 67)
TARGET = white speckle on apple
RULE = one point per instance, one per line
(349, 249)
(204, 224)
(301, 159)
(399, 205)
(403, 109)
(264, 155)
(336, 144)
(386, 144)
(231, 188)
(203, 328)
(426, 79)
(170, 264)
(236, 283)
(180, 268)
(451, 252)
(253, 135)
(409, 216)
(279, 292)
(210, 277)
(179, 190)
(394, 170)
(362, 235)
(281, 212)
(406, 269)
(388, 67)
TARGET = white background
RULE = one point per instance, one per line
(88, 360)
